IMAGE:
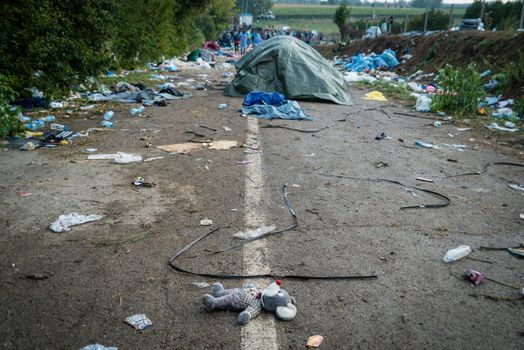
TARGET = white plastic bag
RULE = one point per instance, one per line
(423, 103)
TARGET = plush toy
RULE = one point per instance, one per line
(251, 300)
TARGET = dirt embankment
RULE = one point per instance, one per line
(487, 49)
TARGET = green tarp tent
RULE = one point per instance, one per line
(289, 66)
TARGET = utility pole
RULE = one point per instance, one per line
(406, 23)
(450, 16)
(482, 11)
(373, 9)
(426, 20)
(521, 17)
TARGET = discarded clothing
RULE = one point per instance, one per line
(266, 98)
(375, 96)
(289, 110)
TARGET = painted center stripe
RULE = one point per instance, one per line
(260, 333)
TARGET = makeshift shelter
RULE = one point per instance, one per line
(289, 66)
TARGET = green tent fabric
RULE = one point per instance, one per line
(289, 66)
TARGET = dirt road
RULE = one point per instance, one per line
(101, 272)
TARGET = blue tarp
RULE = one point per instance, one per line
(272, 106)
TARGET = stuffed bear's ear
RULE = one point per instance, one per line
(286, 313)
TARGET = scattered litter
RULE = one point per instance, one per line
(517, 187)
(463, 129)
(28, 146)
(419, 178)
(65, 221)
(380, 164)
(517, 252)
(456, 254)
(137, 110)
(522, 216)
(91, 150)
(423, 104)
(24, 194)
(138, 321)
(361, 62)
(250, 234)
(509, 125)
(295, 185)
(495, 126)
(451, 135)
(106, 124)
(375, 96)
(85, 108)
(426, 145)
(223, 145)
(412, 191)
(382, 136)
(109, 115)
(201, 284)
(98, 347)
(314, 341)
(206, 222)
(126, 158)
(226, 128)
(180, 147)
(437, 124)
(152, 159)
(101, 156)
(222, 106)
(36, 276)
(474, 276)
(244, 162)
(141, 182)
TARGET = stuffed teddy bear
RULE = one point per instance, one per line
(251, 300)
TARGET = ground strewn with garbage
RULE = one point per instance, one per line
(375, 189)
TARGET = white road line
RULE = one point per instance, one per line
(260, 333)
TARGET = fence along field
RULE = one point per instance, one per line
(320, 17)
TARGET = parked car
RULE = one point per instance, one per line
(471, 24)
(268, 15)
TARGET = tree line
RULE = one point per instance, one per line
(54, 44)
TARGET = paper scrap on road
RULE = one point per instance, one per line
(314, 341)
(64, 222)
(223, 144)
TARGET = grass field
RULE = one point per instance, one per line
(320, 17)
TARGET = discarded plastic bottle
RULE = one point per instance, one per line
(109, 115)
(485, 73)
(456, 254)
(437, 124)
(59, 127)
(137, 110)
(48, 119)
(106, 124)
(34, 125)
(222, 106)
(23, 118)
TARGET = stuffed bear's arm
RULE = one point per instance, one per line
(253, 309)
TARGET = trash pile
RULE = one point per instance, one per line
(365, 63)
(133, 93)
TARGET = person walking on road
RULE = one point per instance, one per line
(243, 43)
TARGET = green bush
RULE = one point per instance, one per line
(9, 124)
(461, 90)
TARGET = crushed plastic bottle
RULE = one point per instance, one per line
(222, 106)
(48, 119)
(59, 127)
(23, 118)
(109, 115)
(456, 254)
(35, 125)
(137, 110)
(106, 124)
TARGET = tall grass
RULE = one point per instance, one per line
(461, 90)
